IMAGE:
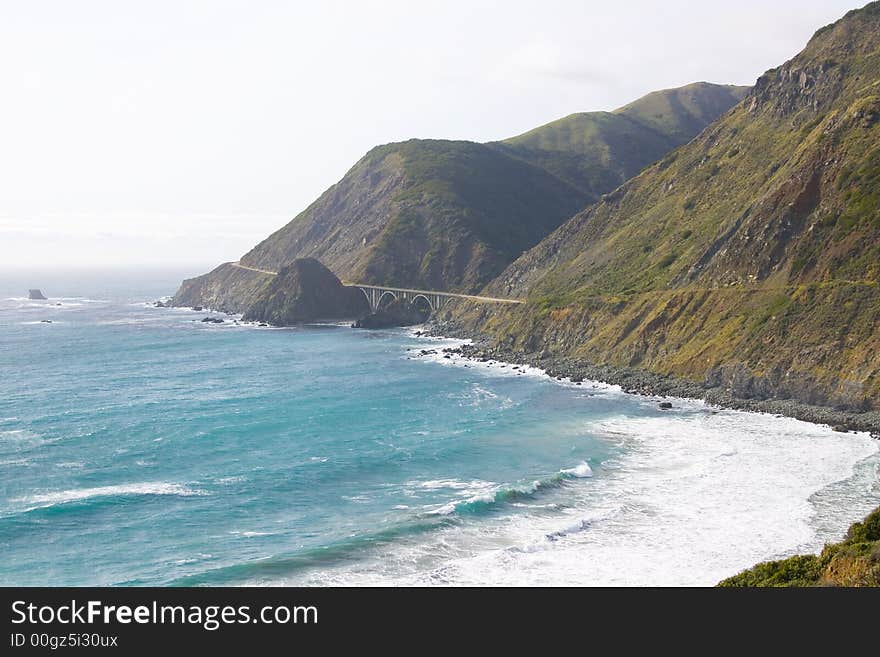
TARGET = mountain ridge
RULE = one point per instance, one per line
(450, 215)
(598, 151)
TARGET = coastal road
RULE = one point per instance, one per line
(262, 271)
(470, 297)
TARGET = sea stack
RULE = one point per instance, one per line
(306, 291)
(36, 294)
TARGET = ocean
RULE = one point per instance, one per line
(141, 446)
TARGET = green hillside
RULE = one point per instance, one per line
(426, 213)
(682, 113)
(597, 151)
(748, 259)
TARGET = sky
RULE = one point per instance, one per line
(182, 133)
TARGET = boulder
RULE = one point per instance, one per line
(36, 294)
(306, 291)
(397, 313)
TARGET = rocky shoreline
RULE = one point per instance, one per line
(642, 382)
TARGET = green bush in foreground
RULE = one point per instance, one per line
(855, 561)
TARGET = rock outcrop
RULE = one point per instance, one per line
(398, 313)
(36, 295)
(305, 291)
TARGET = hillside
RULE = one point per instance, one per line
(428, 214)
(451, 215)
(855, 561)
(747, 260)
(597, 151)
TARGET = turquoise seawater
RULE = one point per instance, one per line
(141, 446)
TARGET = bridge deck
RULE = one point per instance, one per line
(452, 295)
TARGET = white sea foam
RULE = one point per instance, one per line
(454, 484)
(496, 367)
(19, 440)
(15, 462)
(39, 500)
(202, 556)
(75, 465)
(581, 470)
(225, 481)
(694, 497)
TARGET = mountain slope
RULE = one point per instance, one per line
(597, 151)
(450, 215)
(423, 213)
(426, 213)
(747, 259)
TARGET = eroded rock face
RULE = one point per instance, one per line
(306, 291)
(399, 313)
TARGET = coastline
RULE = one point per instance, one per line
(631, 380)
(642, 382)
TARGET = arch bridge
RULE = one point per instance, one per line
(380, 294)
(376, 294)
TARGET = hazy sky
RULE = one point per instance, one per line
(185, 132)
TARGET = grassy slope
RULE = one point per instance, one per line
(597, 151)
(855, 561)
(682, 113)
(749, 257)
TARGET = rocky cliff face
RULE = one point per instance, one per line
(305, 291)
(748, 259)
(397, 313)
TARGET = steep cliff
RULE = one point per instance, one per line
(747, 259)
(305, 291)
